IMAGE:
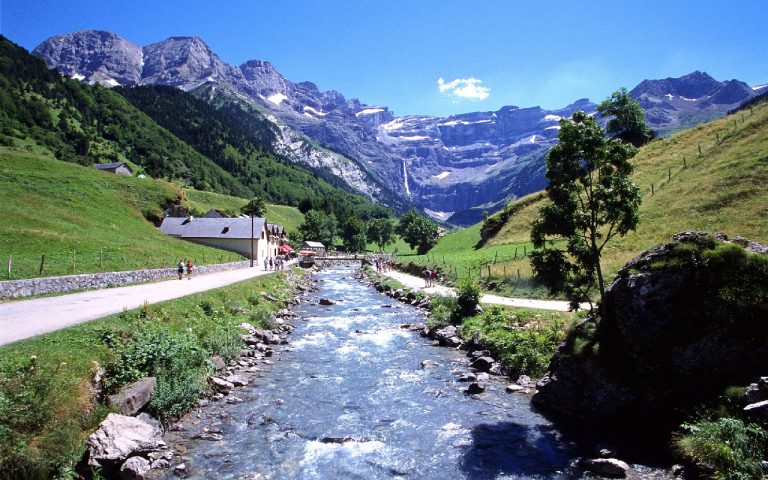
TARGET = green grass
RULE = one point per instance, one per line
(84, 220)
(47, 407)
(724, 189)
(201, 202)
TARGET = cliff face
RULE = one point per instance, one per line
(475, 160)
(680, 323)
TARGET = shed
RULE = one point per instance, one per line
(316, 247)
(119, 168)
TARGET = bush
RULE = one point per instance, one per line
(468, 297)
(726, 448)
(443, 309)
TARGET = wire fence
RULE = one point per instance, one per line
(75, 262)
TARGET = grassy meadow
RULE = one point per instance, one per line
(201, 202)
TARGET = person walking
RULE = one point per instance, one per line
(180, 268)
(265, 264)
(189, 269)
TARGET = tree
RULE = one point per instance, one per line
(417, 231)
(353, 235)
(257, 207)
(628, 122)
(319, 226)
(381, 232)
(592, 200)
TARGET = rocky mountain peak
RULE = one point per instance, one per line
(95, 56)
(694, 85)
(184, 62)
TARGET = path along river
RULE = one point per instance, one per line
(351, 371)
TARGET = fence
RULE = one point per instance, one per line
(75, 262)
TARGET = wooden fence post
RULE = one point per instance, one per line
(717, 136)
(515, 253)
(699, 149)
(525, 251)
(74, 261)
(42, 264)
(684, 164)
(10, 262)
(101, 259)
(518, 274)
(651, 189)
(669, 175)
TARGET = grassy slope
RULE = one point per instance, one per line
(724, 189)
(53, 208)
(201, 202)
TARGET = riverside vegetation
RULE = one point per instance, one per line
(48, 399)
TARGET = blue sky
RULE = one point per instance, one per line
(394, 53)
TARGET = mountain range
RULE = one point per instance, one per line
(454, 168)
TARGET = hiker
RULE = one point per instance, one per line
(180, 268)
(434, 278)
(426, 278)
(189, 269)
(270, 264)
(265, 264)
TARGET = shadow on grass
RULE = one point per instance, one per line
(508, 448)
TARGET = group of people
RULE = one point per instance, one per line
(182, 267)
(382, 263)
(275, 263)
(430, 278)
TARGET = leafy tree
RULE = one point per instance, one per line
(353, 235)
(417, 231)
(257, 207)
(381, 232)
(628, 122)
(592, 200)
(319, 226)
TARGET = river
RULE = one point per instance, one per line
(347, 398)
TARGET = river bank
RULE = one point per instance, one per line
(354, 394)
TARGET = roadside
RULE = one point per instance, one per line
(27, 318)
(418, 283)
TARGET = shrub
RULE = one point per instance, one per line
(468, 296)
(443, 310)
(726, 448)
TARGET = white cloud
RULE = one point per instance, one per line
(471, 88)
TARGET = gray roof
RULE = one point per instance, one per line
(275, 229)
(187, 227)
(110, 166)
(314, 244)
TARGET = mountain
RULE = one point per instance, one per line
(454, 168)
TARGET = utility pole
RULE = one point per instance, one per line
(251, 239)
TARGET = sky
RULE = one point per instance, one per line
(439, 57)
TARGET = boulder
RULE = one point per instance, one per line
(218, 363)
(678, 325)
(452, 342)
(220, 385)
(611, 467)
(134, 397)
(135, 468)
(475, 388)
(428, 364)
(483, 364)
(237, 380)
(326, 301)
(119, 437)
(513, 387)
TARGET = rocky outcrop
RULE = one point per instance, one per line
(132, 398)
(680, 323)
(120, 437)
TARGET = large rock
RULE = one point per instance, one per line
(120, 437)
(678, 326)
(134, 397)
(611, 467)
(483, 364)
(135, 468)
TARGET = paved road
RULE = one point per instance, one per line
(418, 283)
(28, 318)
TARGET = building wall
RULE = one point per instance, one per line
(121, 170)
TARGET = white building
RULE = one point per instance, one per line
(232, 234)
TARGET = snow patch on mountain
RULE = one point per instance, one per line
(277, 98)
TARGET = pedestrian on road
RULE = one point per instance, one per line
(265, 264)
(270, 264)
(426, 278)
(189, 269)
(180, 268)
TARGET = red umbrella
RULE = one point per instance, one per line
(286, 248)
(307, 252)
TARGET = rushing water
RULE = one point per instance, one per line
(351, 371)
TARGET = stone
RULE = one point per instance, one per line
(221, 385)
(475, 388)
(119, 437)
(210, 437)
(446, 332)
(134, 397)
(477, 310)
(605, 466)
(135, 468)
(147, 418)
(483, 364)
(428, 364)
(483, 377)
(468, 377)
(218, 363)
(160, 463)
(755, 407)
(513, 387)
(237, 380)
(452, 342)
(327, 301)
(247, 327)
(525, 381)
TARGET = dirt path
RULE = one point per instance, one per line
(28, 318)
(418, 283)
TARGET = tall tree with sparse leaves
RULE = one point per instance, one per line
(627, 121)
(592, 200)
(256, 207)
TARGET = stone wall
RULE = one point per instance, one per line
(90, 281)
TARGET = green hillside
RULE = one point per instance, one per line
(725, 188)
(201, 202)
(43, 111)
(84, 220)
